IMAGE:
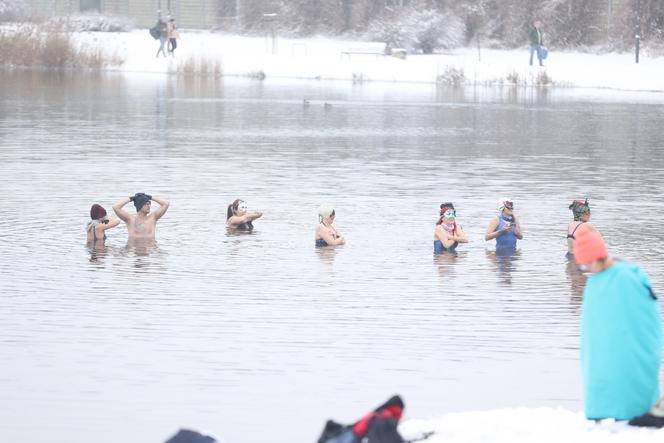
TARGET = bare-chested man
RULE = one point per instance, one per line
(143, 224)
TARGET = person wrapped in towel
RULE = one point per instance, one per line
(621, 333)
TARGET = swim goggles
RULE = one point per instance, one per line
(242, 206)
(449, 213)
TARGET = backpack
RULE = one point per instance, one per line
(383, 430)
(337, 433)
(154, 32)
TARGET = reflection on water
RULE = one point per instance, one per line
(98, 251)
(504, 262)
(98, 342)
(326, 254)
(445, 263)
(577, 281)
(141, 247)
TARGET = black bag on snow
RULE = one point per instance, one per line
(383, 431)
(187, 436)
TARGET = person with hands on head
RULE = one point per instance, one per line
(238, 218)
(448, 234)
(99, 223)
(144, 223)
(326, 233)
(505, 227)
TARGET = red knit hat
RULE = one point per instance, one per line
(589, 246)
(97, 212)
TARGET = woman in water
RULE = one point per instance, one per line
(448, 234)
(96, 228)
(326, 233)
(238, 218)
(505, 227)
(581, 211)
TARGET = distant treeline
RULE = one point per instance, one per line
(500, 23)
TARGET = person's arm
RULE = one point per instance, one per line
(163, 207)
(112, 223)
(330, 239)
(121, 213)
(446, 239)
(460, 235)
(517, 227)
(491, 232)
(239, 219)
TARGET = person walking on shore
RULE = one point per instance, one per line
(144, 223)
(173, 35)
(621, 333)
(536, 41)
(161, 30)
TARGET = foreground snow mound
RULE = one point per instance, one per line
(527, 425)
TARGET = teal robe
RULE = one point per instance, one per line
(621, 343)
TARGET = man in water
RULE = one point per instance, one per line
(143, 224)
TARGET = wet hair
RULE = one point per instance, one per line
(232, 208)
(578, 208)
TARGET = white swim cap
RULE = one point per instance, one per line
(505, 202)
(325, 210)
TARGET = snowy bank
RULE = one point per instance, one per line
(526, 425)
(320, 58)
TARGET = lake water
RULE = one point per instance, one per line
(261, 337)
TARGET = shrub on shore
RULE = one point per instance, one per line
(11, 10)
(92, 23)
(34, 46)
(199, 67)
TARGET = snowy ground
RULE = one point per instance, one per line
(320, 58)
(527, 425)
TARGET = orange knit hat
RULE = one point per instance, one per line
(589, 246)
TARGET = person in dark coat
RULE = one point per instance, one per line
(536, 41)
(163, 37)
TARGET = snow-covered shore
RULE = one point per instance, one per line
(321, 58)
(521, 425)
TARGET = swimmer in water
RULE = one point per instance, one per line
(144, 223)
(99, 223)
(581, 212)
(448, 234)
(326, 233)
(238, 218)
(505, 227)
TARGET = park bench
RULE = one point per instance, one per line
(379, 49)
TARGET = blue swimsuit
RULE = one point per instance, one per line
(439, 248)
(507, 241)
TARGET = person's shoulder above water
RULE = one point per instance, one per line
(99, 223)
(447, 234)
(326, 233)
(239, 218)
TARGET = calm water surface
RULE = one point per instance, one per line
(261, 337)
